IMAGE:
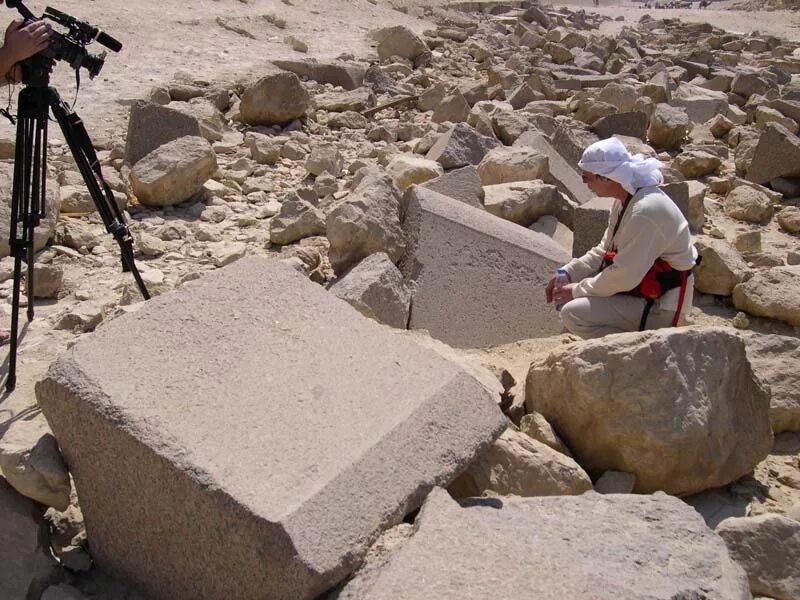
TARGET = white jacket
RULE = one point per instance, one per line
(652, 227)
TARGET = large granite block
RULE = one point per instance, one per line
(479, 280)
(150, 126)
(248, 435)
(590, 223)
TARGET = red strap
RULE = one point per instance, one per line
(684, 279)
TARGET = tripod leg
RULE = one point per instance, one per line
(38, 196)
(83, 152)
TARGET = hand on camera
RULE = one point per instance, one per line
(23, 41)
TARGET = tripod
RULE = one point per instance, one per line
(28, 196)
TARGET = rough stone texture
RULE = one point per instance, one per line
(696, 163)
(463, 184)
(768, 547)
(561, 173)
(47, 280)
(31, 462)
(633, 124)
(699, 103)
(151, 126)
(496, 270)
(375, 288)
(252, 375)
(400, 41)
(523, 202)
(263, 150)
(353, 101)
(26, 567)
(556, 548)
(774, 359)
(296, 220)
(325, 157)
(537, 427)
(721, 269)
(274, 99)
(461, 146)
(367, 222)
(771, 293)
(338, 73)
(789, 219)
(554, 229)
(516, 464)
(505, 165)
(589, 225)
(776, 155)
(615, 482)
(452, 108)
(46, 228)
(748, 204)
(173, 172)
(211, 121)
(689, 197)
(702, 423)
(407, 169)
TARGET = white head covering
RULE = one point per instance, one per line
(611, 159)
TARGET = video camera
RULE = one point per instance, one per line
(71, 46)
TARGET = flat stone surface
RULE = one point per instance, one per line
(478, 278)
(590, 222)
(270, 433)
(588, 547)
(562, 174)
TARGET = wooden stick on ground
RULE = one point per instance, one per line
(371, 111)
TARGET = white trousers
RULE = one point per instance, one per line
(596, 316)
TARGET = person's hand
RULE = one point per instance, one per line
(22, 42)
(548, 291)
(563, 294)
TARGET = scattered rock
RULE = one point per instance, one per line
(275, 99)
(296, 220)
(771, 293)
(748, 204)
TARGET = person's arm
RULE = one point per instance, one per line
(21, 43)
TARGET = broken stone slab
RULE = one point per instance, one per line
(589, 224)
(400, 41)
(689, 197)
(348, 75)
(26, 566)
(274, 100)
(249, 362)
(668, 127)
(562, 174)
(699, 103)
(211, 121)
(702, 423)
(516, 464)
(356, 100)
(408, 169)
(463, 184)
(518, 163)
(721, 268)
(555, 230)
(771, 293)
(523, 202)
(768, 547)
(501, 300)
(151, 126)
(461, 146)
(376, 289)
(776, 155)
(632, 124)
(774, 359)
(666, 552)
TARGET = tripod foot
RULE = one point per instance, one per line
(11, 383)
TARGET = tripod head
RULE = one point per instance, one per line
(69, 46)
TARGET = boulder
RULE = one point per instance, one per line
(356, 100)
(407, 170)
(461, 146)
(376, 289)
(590, 222)
(263, 150)
(325, 157)
(506, 165)
(668, 127)
(367, 222)
(209, 118)
(561, 173)
(348, 75)
(702, 423)
(32, 464)
(348, 120)
(771, 293)
(764, 115)
(452, 108)
(174, 172)
(251, 374)
(588, 546)
(768, 547)
(463, 184)
(47, 280)
(721, 269)
(621, 95)
(632, 124)
(296, 220)
(774, 359)
(275, 99)
(400, 41)
(696, 163)
(523, 202)
(777, 154)
(151, 125)
(748, 204)
(494, 268)
(518, 465)
(536, 426)
(699, 103)
(789, 219)
(26, 565)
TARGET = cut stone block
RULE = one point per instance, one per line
(286, 438)
(689, 197)
(463, 184)
(562, 174)
(590, 223)
(633, 124)
(588, 547)
(776, 155)
(478, 278)
(700, 104)
(554, 229)
(151, 126)
(346, 74)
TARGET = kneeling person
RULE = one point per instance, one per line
(639, 276)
